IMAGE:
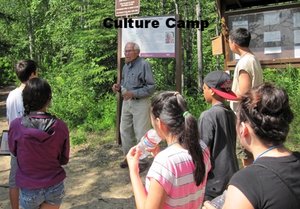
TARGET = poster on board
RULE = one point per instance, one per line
(153, 41)
(275, 33)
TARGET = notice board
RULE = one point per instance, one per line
(275, 33)
(154, 42)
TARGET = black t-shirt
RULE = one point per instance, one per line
(264, 189)
(217, 130)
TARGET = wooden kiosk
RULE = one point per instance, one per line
(274, 27)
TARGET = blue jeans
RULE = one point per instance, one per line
(33, 198)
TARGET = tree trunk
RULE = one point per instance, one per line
(200, 55)
(31, 36)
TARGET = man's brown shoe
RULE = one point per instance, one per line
(124, 164)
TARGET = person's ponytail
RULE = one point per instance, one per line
(191, 141)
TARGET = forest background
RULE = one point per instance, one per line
(78, 57)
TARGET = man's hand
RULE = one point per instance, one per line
(116, 88)
(127, 95)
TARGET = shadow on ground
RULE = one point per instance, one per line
(95, 179)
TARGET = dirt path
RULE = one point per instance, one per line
(94, 179)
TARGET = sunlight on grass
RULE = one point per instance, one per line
(92, 138)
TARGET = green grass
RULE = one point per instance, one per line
(92, 138)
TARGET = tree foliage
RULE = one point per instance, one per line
(78, 55)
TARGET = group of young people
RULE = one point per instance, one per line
(38, 142)
(199, 162)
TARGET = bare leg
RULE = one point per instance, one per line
(48, 206)
(14, 197)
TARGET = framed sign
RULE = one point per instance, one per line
(155, 35)
(127, 7)
(275, 33)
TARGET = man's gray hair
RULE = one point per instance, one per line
(135, 46)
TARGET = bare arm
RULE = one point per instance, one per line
(244, 82)
(156, 195)
(155, 198)
(139, 192)
(236, 199)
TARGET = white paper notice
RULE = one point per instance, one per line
(297, 36)
(154, 42)
(271, 18)
(240, 24)
(272, 36)
(296, 19)
(273, 50)
(297, 51)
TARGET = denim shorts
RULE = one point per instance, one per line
(33, 198)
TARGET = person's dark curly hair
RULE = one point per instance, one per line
(36, 94)
(266, 108)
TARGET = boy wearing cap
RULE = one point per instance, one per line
(217, 129)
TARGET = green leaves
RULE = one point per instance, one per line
(288, 79)
(78, 56)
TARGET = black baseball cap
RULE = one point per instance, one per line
(220, 83)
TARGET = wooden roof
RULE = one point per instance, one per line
(225, 5)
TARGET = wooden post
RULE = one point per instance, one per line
(119, 96)
(199, 49)
(178, 57)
